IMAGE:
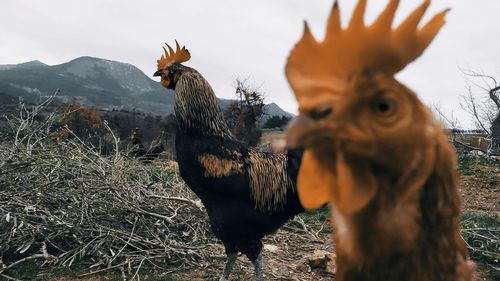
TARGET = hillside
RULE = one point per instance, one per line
(96, 82)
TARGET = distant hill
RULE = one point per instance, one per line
(95, 82)
(273, 109)
(270, 110)
(21, 65)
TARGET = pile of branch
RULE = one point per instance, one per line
(62, 202)
(481, 234)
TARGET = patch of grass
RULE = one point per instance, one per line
(481, 233)
(469, 165)
(318, 218)
(466, 164)
(28, 271)
(33, 270)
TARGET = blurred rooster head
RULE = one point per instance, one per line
(169, 63)
(361, 129)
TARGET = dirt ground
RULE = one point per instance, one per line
(285, 258)
(286, 253)
(481, 194)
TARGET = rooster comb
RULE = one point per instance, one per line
(358, 48)
(171, 56)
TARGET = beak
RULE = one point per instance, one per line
(158, 73)
(305, 132)
(297, 130)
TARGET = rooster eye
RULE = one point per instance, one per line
(384, 106)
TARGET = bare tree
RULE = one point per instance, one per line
(242, 116)
(450, 122)
(482, 102)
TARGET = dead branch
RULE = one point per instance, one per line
(32, 257)
(78, 205)
(197, 203)
(479, 110)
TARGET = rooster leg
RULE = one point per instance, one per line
(257, 263)
(231, 258)
(253, 251)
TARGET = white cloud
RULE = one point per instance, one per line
(243, 38)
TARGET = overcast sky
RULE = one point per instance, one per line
(244, 38)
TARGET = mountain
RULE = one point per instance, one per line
(270, 110)
(25, 64)
(92, 81)
(95, 82)
(273, 109)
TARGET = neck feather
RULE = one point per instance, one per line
(418, 241)
(197, 109)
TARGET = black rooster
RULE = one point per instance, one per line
(145, 155)
(247, 193)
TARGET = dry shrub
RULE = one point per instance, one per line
(62, 202)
